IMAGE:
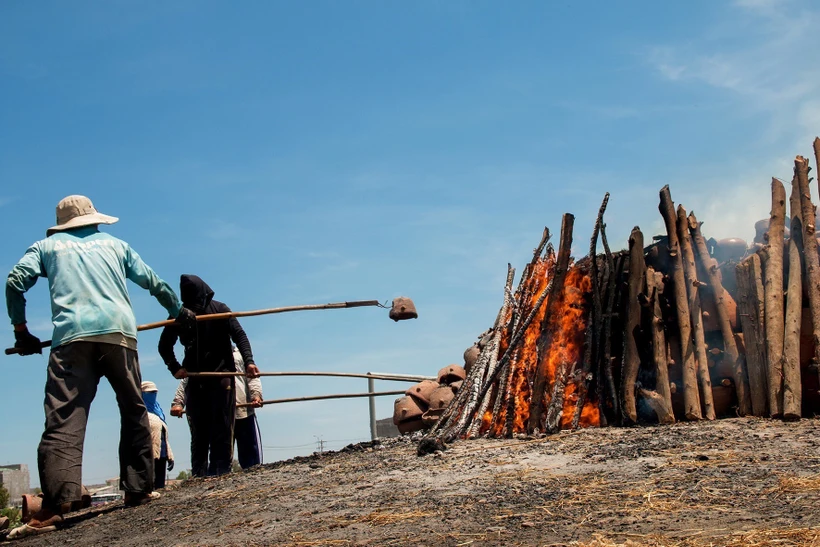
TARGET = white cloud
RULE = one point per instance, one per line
(763, 58)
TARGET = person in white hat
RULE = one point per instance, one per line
(94, 335)
(163, 455)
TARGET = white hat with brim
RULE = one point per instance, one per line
(78, 211)
(148, 386)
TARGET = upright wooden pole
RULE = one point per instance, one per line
(654, 288)
(773, 286)
(792, 388)
(750, 308)
(744, 404)
(691, 396)
(544, 341)
(632, 360)
(692, 290)
(812, 262)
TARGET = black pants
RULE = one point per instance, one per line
(74, 371)
(160, 465)
(211, 407)
(248, 441)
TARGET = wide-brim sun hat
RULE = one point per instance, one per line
(148, 387)
(76, 211)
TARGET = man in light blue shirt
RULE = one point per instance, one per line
(95, 335)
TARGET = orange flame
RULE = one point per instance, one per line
(566, 327)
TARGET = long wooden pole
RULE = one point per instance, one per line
(322, 397)
(632, 325)
(654, 288)
(691, 396)
(773, 286)
(373, 376)
(543, 344)
(752, 318)
(268, 311)
(792, 388)
(744, 405)
(812, 262)
(229, 315)
(593, 335)
(693, 289)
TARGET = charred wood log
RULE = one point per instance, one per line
(719, 293)
(632, 361)
(812, 262)
(692, 290)
(654, 288)
(752, 316)
(658, 403)
(792, 388)
(691, 396)
(596, 316)
(544, 342)
(493, 362)
(606, 353)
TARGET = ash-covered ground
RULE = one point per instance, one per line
(731, 482)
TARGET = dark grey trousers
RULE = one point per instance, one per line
(74, 371)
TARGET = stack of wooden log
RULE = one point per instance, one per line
(653, 333)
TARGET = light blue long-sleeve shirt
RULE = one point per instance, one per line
(86, 271)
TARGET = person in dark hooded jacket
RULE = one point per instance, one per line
(210, 401)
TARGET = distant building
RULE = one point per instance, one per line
(15, 479)
(386, 428)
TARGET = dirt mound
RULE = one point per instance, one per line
(731, 482)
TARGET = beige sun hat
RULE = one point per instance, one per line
(76, 211)
(148, 386)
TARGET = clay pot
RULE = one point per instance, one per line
(31, 504)
(422, 391)
(470, 357)
(406, 408)
(409, 426)
(451, 373)
(403, 308)
(730, 248)
(441, 397)
(455, 386)
(761, 227)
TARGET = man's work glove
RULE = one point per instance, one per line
(27, 343)
(170, 465)
(186, 317)
(252, 371)
(177, 411)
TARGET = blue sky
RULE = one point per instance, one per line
(299, 153)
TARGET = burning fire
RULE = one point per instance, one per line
(566, 330)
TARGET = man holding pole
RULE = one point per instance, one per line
(246, 428)
(95, 335)
(210, 400)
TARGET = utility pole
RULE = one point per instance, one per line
(320, 445)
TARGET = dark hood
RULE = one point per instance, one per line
(195, 293)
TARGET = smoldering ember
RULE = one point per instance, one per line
(677, 328)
